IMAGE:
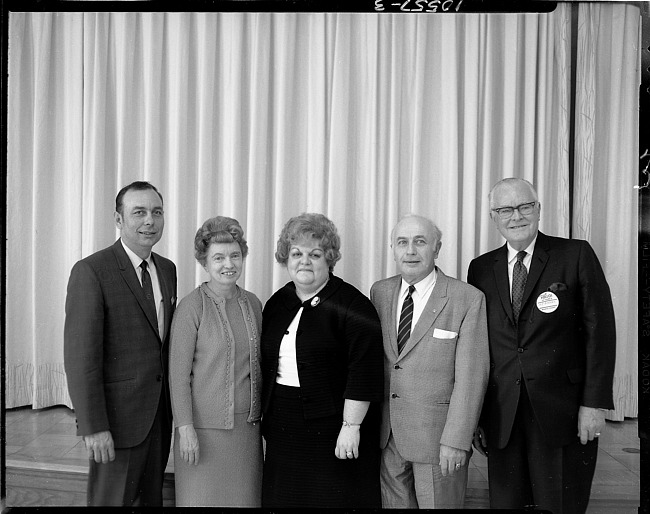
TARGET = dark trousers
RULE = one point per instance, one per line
(135, 477)
(530, 472)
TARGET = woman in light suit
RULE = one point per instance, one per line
(215, 378)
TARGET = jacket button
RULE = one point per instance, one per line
(159, 378)
(520, 350)
(393, 395)
(518, 381)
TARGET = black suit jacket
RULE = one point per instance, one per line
(566, 357)
(338, 347)
(115, 360)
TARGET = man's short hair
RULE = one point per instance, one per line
(511, 181)
(437, 233)
(138, 185)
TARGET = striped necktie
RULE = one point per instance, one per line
(405, 319)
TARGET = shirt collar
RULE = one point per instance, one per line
(512, 253)
(422, 286)
(134, 258)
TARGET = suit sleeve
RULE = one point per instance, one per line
(365, 357)
(470, 274)
(599, 331)
(471, 376)
(83, 349)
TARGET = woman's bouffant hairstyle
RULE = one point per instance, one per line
(309, 226)
(219, 229)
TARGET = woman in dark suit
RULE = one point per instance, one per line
(322, 369)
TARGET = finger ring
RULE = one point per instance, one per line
(597, 434)
(348, 453)
(458, 466)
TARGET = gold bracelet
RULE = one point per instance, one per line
(346, 424)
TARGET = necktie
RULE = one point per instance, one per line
(147, 287)
(405, 319)
(519, 276)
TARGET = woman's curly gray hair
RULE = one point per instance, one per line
(310, 226)
(219, 229)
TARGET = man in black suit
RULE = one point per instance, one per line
(552, 352)
(119, 307)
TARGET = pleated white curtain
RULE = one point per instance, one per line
(262, 116)
(607, 150)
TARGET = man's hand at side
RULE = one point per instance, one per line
(100, 447)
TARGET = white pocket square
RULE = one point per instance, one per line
(444, 334)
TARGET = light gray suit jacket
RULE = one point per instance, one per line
(434, 389)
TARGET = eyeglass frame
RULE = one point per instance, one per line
(515, 208)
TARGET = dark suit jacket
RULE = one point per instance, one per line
(566, 357)
(338, 347)
(115, 361)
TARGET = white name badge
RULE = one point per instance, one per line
(547, 302)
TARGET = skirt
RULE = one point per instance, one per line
(300, 467)
(229, 473)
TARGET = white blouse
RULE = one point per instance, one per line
(287, 364)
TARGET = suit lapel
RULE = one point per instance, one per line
(435, 304)
(503, 282)
(131, 279)
(537, 265)
(392, 296)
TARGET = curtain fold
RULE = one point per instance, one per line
(606, 157)
(44, 216)
(262, 116)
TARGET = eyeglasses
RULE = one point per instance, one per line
(505, 213)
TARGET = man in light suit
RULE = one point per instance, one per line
(435, 371)
(552, 352)
(118, 314)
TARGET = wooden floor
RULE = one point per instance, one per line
(46, 465)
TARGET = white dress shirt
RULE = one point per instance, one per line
(420, 296)
(512, 258)
(157, 292)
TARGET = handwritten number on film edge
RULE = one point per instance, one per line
(422, 5)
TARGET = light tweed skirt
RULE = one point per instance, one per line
(229, 473)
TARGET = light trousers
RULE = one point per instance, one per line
(413, 485)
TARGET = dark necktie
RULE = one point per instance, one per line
(147, 287)
(519, 276)
(405, 319)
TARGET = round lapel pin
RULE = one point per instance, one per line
(547, 302)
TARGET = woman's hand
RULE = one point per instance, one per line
(347, 444)
(188, 444)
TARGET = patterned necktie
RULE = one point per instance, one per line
(147, 287)
(519, 276)
(405, 319)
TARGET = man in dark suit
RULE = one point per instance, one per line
(552, 351)
(118, 312)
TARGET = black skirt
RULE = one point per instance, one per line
(300, 467)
